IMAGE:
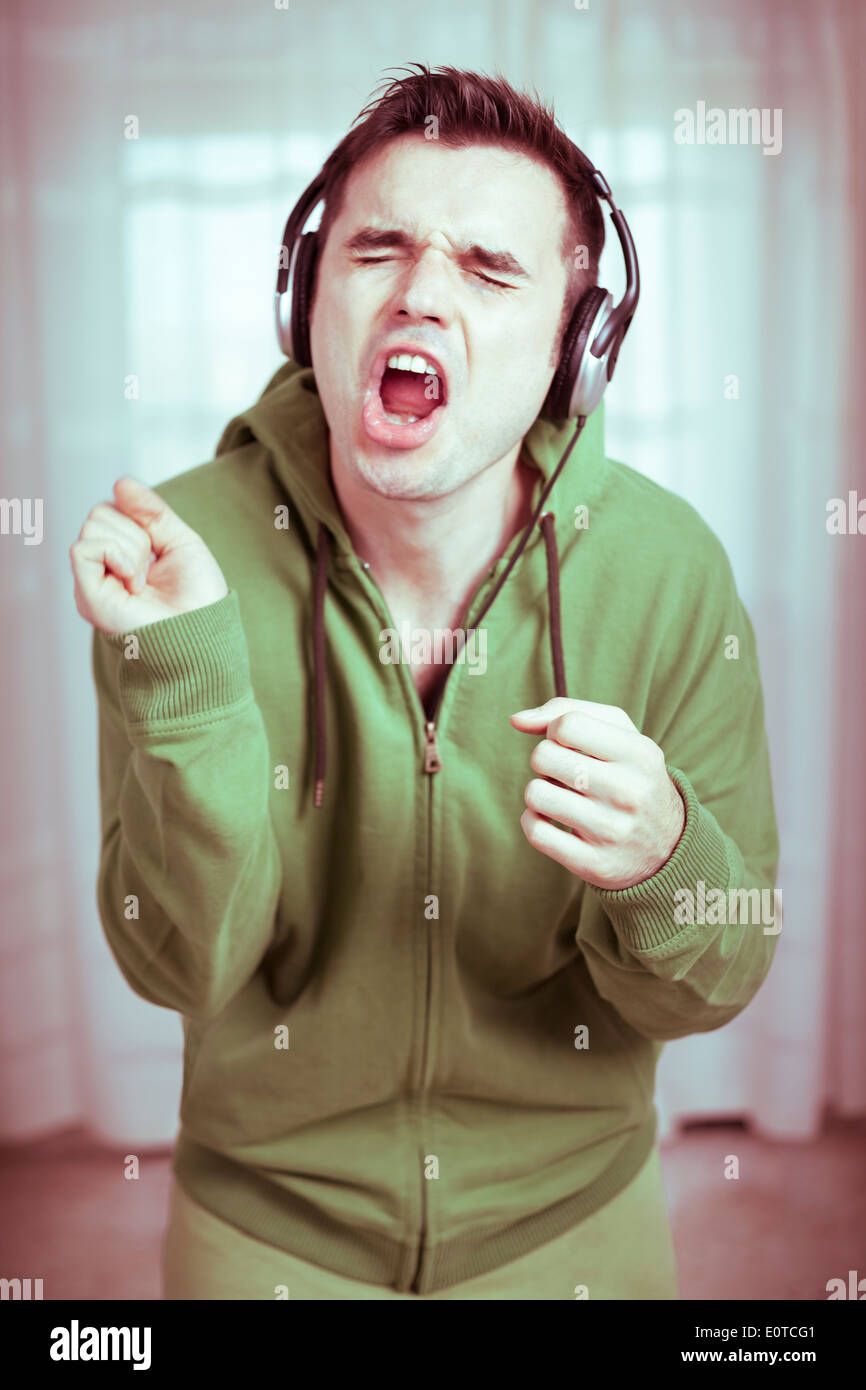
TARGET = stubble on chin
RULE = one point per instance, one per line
(402, 477)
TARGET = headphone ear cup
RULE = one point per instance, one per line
(571, 353)
(302, 294)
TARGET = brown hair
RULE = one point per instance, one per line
(471, 109)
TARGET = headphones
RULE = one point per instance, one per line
(590, 343)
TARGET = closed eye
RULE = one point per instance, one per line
(501, 283)
(377, 260)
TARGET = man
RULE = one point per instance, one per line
(426, 964)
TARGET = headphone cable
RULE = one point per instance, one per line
(581, 421)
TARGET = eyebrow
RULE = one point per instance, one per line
(384, 238)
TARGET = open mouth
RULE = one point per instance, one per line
(405, 400)
(411, 388)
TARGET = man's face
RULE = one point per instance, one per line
(451, 255)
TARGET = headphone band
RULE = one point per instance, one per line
(311, 196)
(623, 313)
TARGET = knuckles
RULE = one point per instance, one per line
(530, 826)
(540, 758)
(654, 756)
(564, 728)
(536, 793)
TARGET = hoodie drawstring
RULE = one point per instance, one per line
(554, 610)
(319, 662)
(553, 604)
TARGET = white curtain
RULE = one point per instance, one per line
(150, 154)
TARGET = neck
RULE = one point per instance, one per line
(430, 556)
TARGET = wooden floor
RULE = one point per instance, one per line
(793, 1219)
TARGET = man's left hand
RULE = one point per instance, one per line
(608, 785)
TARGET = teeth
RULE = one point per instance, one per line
(400, 419)
(409, 362)
(406, 362)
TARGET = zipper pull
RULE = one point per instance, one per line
(432, 761)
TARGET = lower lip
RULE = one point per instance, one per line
(409, 436)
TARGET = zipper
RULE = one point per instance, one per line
(432, 761)
(432, 765)
(422, 1229)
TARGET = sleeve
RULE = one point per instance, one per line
(189, 871)
(685, 950)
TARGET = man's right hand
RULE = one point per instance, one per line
(135, 562)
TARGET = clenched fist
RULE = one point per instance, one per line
(608, 786)
(135, 562)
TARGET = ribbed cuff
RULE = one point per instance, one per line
(644, 916)
(191, 664)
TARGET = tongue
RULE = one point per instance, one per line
(403, 393)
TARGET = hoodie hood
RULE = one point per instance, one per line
(289, 422)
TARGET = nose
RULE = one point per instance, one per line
(424, 292)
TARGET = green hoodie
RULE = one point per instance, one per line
(417, 1048)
